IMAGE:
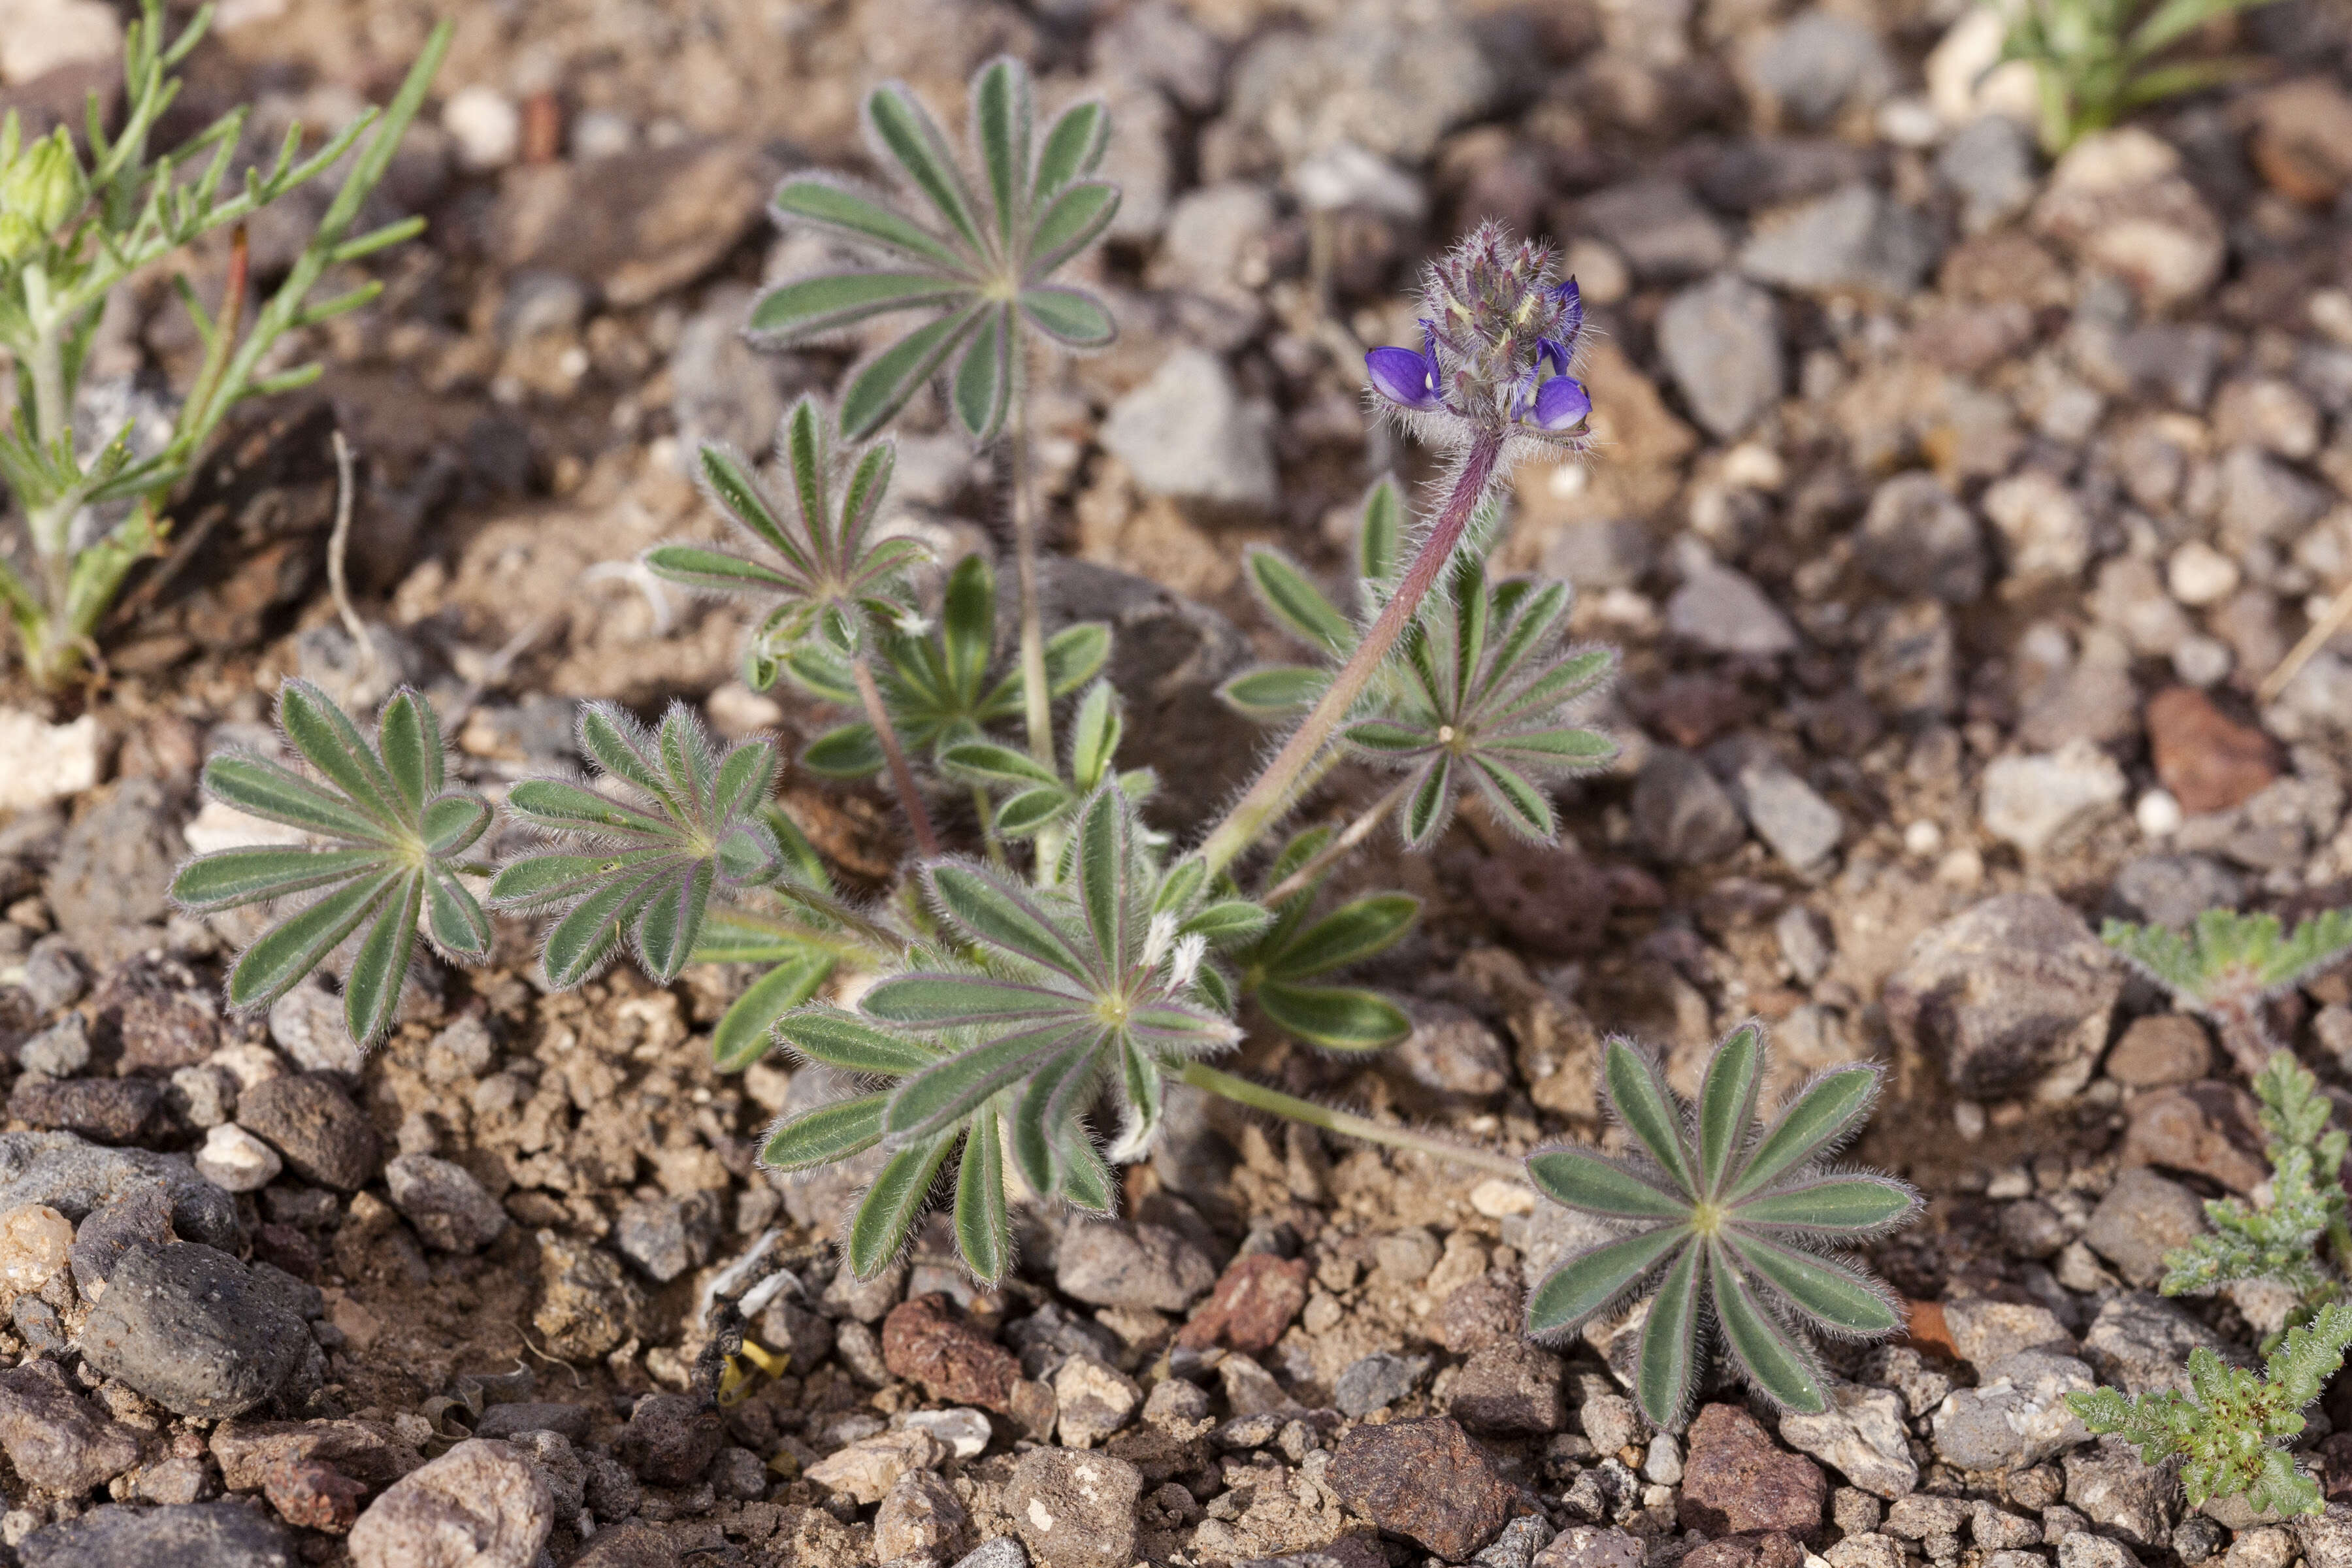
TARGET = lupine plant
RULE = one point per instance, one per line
(1727, 1220)
(76, 224)
(1066, 971)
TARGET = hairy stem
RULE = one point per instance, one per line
(2244, 1035)
(1257, 1097)
(1331, 854)
(1276, 787)
(902, 777)
(986, 808)
(1037, 698)
(867, 952)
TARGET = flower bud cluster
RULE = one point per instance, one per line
(40, 185)
(1498, 338)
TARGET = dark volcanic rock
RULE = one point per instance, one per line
(142, 1213)
(103, 1110)
(307, 1118)
(1510, 1386)
(1425, 1480)
(75, 1176)
(2012, 996)
(669, 1438)
(186, 1535)
(53, 1435)
(184, 1326)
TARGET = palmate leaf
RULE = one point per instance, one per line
(979, 262)
(1281, 966)
(641, 871)
(1733, 1220)
(386, 864)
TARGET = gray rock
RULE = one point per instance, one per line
(668, 1439)
(181, 1535)
(1004, 1552)
(307, 1024)
(1682, 815)
(2125, 1499)
(1511, 1387)
(140, 1214)
(1805, 942)
(1819, 63)
(1075, 1509)
(2262, 498)
(534, 1415)
(1988, 164)
(1911, 667)
(723, 389)
(446, 1203)
(184, 1326)
(112, 868)
(2197, 1538)
(53, 975)
(1371, 1381)
(2042, 801)
(2016, 1416)
(2012, 996)
(1518, 1545)
(1723, 611)
(921, 1519)
(1590, 1546)
(1916, 537)
(480, 1505)
(1659, 225)
(665, 1237)
(2085, 1549)
(1855, 239)
(2327, 1537)
(1721, 342)
(1051, 1335)
(1985, 1330)
(1125, 1263)
(2141, 1342)
(53, 1436)
(1450, 1051)
(1862, 1436)
(1160, 43)
(2143, 1218)
(1213, 263)
(60, 1050)
(1187, 433)
(1392, 81)
(1801, 827)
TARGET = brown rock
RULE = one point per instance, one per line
(164, 1015)
(102, 1110)
(2208, 761)
(921, 1518)
(670, 1439)
(1737, 1479)
(2012, 996)
(2119, 201)
(1551, 901)
(1484, 1313)
(1255, 1298)
(54, 1436)
(927, 1341)
(1511, 1386)
(1771, 1550)
(2162, 1048)
(637, 224)
(2209, 1128)
(1966, 339)
(2303, 140)
(1074, 1510)
(1425, 1480)
(312, 1494)
(309, 1119)
(363, 1450)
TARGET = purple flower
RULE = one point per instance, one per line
(1572, 312)
(1405, 378)
(1561, 404)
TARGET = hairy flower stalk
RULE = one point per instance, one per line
(1491, 382)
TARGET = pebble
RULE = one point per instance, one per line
(665, 1237)
(1252, 1306)
(1511, 1387)
(1393, 81)
(1481, 1312)
(2327, 1537)
(2156, 814)
(2119, 201)
(1129, 1263)
(105, 1111)
(35, 1243)
(927, 1341)
(2016, 1416)
(164, 1015)
(2198, 574)
(203, 1095)
(587, 1306)
(54, 979)
(1188, 433)
(2012, 996)
(2173, 890)
(1659, 227)
(1550, 901)
(1074, 1510)
(2120, 1494)
(2141, 1342)
(2207, 1128)
(183, 1535)
(308, 1118)
(1855, 239)
(1427, 1480)
(53, 1436)
(2034, 801)
(236, 1161)
(143, 1213)
(2207, 760)
(445, 1202)
(1736, 1479)
(1004, 1552)
(1682, 814)
(1785, 811)
(484, 125)
(1094, 1400)
(1724, 612)
(307, 1024)
(1820, 62)
(1452, 1052)
(113, 865)
(921, 1519)
(1518, 1545)
(533, 1415)
(58, 1051)
(2303, 130)
(1610, 1421)
(480, 1505)
(2143, 1216)
(1861, 1436)
(184, 1325)
(2083, 1550)
(1990, 162)
(1721, 342)
(865, 1470)
(1592, 1546)
(669, 1439)
(1985, 1329)
(46, 761)
(1917, 538)
(636, 224)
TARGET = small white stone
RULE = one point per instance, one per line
(1909, 121)
(2032, 800)
(1498, 1199)
(965, 1431)
(2202, 661)
(37, 36)
(2157, 813)
(1969, 1117)
(485, 124)
(236, 1161)
(1923, 838)
(45, 762)
(2200, 574)
(1663, 1464)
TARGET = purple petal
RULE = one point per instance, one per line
(1553, 353)
(1561, 403)
(1571, 304)
(1402, 378)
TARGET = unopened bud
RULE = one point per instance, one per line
(39, 192)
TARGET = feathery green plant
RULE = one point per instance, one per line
(1729, 1217)
(392, 835)
(70, 235)
(2227, 965)
(2228, 1428)
(2095, 61)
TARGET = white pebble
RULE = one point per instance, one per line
(2200, 574)
(36, 1241)
(1498, 1199)
(1969, 1117)
(236, 1161)
(46, 761)
(2157, 813)
(1663, 1464)
(1923, 838)
(486, 126)
(965, 1431)
(2202, 661)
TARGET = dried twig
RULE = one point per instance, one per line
(338, 581)
(2332, 620)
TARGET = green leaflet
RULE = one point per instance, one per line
(1337, 1018)
(744, 1034)
(825, 1135)
(1586, 1285)
(887, 1213)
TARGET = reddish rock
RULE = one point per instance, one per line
(2303, 140)
(1484, 1313)
(365, 1450)
(1692, 710)
(1254, 1302)
(1426, 1479)
(2209, 1128)
(2165, 1047)
(1512, 1387)
(312, 1494)
(2208, 761)
(928, 1343)
(164, 1015)
(1555, 902)
(1738, 1481)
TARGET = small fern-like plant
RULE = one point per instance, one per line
(1727, 1219)
(2227, 965)
(2228, 1428)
